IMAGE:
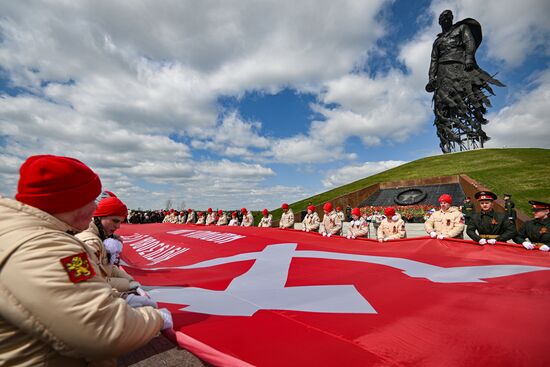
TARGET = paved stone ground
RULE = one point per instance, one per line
(162, 352)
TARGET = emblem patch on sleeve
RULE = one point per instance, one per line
(78, 267)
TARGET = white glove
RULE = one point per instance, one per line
(348, 237)
(395, 218)
(133, 285)
(491, 241)
(141, 292)
(329, 234)
(352, 237)
(307, 230)
(380, 240)
(114, 248)
(440, 236)
(304, 229)
(433, 234)
(482, 241)
(324, 234)
(544, 248)
(140, 301)
(167, 317)
(528, 245)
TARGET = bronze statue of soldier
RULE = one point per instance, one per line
(458, 83)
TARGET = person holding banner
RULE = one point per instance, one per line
(445, 222)
(266, 219)
(100, 236)
(392, 227)
(234, 220)
(200, 219)
(488, 226)
(287, 218)
(190, 216)
(222, 218)
(210, 217)
(311, 220)
(332, 225)
(536, 232)
(359, 227)
(248, 218)
(56, 309)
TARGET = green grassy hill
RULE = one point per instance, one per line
(522, 172)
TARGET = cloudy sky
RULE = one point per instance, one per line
(249, 103)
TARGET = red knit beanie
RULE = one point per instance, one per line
(209, 210)
(234, 214)
(220, 212)
(56, 184)
(356, 211)
(189, 210)
(327, 207)
(389, 212)
(311, 207)
(446, 198)
(265, 212)
(284, 206)
(111, 207)
(243, 210)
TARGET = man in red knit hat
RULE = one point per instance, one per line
(53, 303)
(445, 222)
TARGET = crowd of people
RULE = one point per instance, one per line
(66, 301)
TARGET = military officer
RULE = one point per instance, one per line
(445, 222)
(55, 309)
(509, 207)
(468, 209)
(488, 226)
(536, 232)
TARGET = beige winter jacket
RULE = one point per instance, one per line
(114, 275)
(287, 219)
(391, 230)
(332, 223)
(248, 220)
(359, 227)
(45, 318)
(311, 222)
(266, 221)
(448, 224)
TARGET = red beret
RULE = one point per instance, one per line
(234, 214)
(389, 212)
(327, 207)
(446, 198)
(265, 212)
(111, 207)
(56, 184)
(311, 207)
(189, 210)
(209, 210)
(200, 214)
(338, 208)
(220, 212)
(284, 206)
(243, 210)
(356, 211)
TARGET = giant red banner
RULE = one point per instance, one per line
(271, 297)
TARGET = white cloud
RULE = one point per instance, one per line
(355, 172)
(525, 122)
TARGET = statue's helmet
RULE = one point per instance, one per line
(445, 14)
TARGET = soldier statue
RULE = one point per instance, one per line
(458, 83)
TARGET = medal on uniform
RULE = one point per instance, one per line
(543, 230)
(494, 221)
(448, 222)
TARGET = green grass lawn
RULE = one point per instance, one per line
(522, 172)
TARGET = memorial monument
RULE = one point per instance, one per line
(458, 84)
